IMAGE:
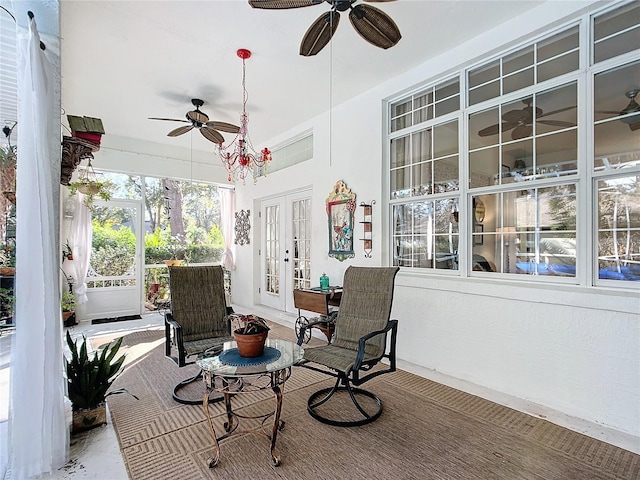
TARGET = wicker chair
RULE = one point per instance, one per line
(197, 321)
(360, 342)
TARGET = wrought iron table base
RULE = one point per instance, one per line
(230, 388)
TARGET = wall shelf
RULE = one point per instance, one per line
(367, 231)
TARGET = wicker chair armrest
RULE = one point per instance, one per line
(391, 325)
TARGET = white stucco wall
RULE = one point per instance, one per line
(562, 352)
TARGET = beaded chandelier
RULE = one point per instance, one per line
(240, 157)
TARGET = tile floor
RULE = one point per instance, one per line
(94, 454)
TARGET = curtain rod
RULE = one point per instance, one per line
(30, 14)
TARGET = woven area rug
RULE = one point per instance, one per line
(426, 431)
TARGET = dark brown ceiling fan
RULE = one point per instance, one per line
(375, 26)
(521, 121)
(632, 120)
(200, 120)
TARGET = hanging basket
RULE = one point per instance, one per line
(90, 188)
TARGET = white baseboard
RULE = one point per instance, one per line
(593, 430)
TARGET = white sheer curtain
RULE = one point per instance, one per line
(227, 215)
(38, 430)
(80, 242)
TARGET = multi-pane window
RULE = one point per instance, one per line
(528, 162)
(430, 103)
(425, 162)
(616, 32)
(533, 64)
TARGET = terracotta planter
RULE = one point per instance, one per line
(251, 345)
(88, 418)
(7, 271)
(173, 263)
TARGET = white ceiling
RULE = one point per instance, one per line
(125, 61)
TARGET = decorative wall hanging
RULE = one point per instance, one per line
(367, 233)
(341, 205)
(242, 227)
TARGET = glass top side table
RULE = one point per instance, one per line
(244, 377)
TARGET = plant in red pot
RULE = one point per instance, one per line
(251, 335)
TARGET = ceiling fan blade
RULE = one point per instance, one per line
(495, 129)
(198, 116)
(375, 26)
(211, 135)
(223, 127)
(608, 112)
(521, 131)
(319, 33)
(634, 126)
(492, 130)
(516, 116)
(169, 119)
(179, 131)
(281, 4)
(557, 123)
(556, 111)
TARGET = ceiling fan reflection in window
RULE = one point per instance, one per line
(626, 113)
(521, 121)
(375, 26)
(200, 120)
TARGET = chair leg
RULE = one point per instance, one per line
(322, 396)
(213, 397)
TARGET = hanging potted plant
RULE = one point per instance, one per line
(89, 185)
(67, 252)
(68, 305)
(251, 335)
(89, 378)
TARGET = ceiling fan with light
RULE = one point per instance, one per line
(521, 121)
(632, 120)
(200, 120)
(375, 26)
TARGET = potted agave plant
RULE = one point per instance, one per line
(89, 377)
(251, 335)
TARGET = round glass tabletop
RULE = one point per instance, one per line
(290, 354)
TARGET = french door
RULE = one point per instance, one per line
(285, 252)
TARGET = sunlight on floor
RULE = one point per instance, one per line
(93, 454)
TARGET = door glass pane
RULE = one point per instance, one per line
(272, 247)
(113, 249)
(301, 228)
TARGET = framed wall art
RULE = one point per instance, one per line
(341, 205)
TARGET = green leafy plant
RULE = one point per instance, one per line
(250, 324)
(91, 189)
(7, 256)
(67, 252)
(68, 301)
(89, 377)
